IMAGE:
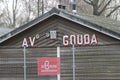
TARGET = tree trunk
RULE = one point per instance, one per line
(14, 12)
(38, 7)
(13, 25)
(95, 10)
(95, 7)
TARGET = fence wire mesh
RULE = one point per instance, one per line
(91, 62)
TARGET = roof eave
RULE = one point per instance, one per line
(28, 25)
(90, 25)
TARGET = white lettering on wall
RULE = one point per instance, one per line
(25, 43)
(72, 39)
(85, 39)
(82, 39)
(79, 39)
(65, 41)
(94, 39)
(31, 42)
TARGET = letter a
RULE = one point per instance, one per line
(25, 43)
(94, 39)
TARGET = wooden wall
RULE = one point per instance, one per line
(62, 26)
(92, 62)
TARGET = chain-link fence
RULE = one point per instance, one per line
(91, 62)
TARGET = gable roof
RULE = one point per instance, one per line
(100, 24)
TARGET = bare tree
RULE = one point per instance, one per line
(27, 10)
(5, 19)
(15, 13)
(99, 6)
(10, 13)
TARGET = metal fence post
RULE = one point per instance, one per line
(73, 48)
(24, 63)
(58, 55)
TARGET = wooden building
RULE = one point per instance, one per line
(96, 40)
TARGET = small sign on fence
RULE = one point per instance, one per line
(49, 66)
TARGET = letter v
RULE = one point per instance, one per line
(32, 41)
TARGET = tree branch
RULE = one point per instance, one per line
(16, 4)
(113, 11)
(105, 7)
(101, 3)
(90, 2)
